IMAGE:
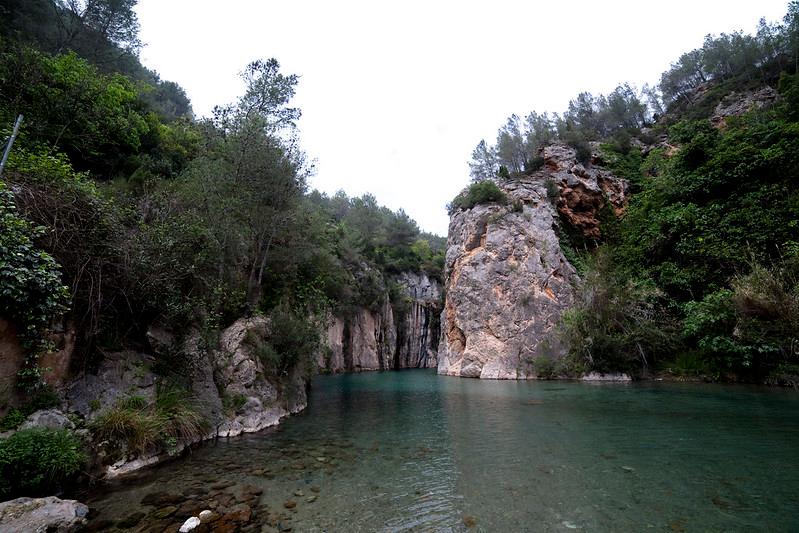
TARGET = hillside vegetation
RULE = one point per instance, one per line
(120, 209)
(698, 276)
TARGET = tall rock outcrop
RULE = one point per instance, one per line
(507, 280)
(404, 335)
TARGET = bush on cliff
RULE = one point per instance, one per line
(291, 342)
(617, 323)
(132, 425)
(481, 192)
(753, 327)
(37, 462)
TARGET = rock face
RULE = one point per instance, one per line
(240, 374)
(12, 358)
(507, 280)
(231, 389)
(387, 338)
(418, 328)
(118, 375)
(583, 190)
(25, 515)
(736, 104)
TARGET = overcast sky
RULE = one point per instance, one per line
(395, 95)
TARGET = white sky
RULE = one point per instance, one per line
(395, 95)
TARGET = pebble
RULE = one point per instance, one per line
(131, 520)
(165, 512)
(311, 499)
(315, 489)
(189, 524)
(290, 504)
(299, 493)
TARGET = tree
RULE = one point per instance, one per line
(98, 22)
(262, 162)
(510, 150)
(538, 131)
(483, 165)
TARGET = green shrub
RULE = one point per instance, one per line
(36, 462)
(139, 427)
(534, 163)
(545, 367)
(481, 192)
(234, 403)
(688, 364)
(12, 420)
(31, 291)
(751, 328)
(617, 324)
(291, 343)
(40, 396)
(553, 191)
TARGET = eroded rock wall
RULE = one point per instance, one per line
(507, 280)
(380, 339)
(231, 388)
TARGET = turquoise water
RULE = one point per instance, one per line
(413, 451)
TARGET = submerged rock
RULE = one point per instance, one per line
(189, 524)
(24, 515)
(610, 377)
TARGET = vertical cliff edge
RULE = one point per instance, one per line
(400, 334)
(507, 281)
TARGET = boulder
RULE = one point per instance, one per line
(507, 281)
(51, 514)
(49, 419)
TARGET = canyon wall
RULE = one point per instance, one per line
(403, 335)
(507, 279)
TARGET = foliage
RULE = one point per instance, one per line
(12, 420)
(134, 425)
(735, 56)
(617, 324)
(69, 106)
(751, 328)
(545, 367)
(588, 118)
(36, 462)
(482, 192)
(83, 232)
(292, 342)
(31, 291)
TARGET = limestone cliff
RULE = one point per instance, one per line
(507, 281)
(404, 335)
(230, 388)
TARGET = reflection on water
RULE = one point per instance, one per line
(413, 451)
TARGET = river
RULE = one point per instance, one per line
(414, 451)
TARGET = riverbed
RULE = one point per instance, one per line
(414, 451)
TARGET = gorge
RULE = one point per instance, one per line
(195, 338)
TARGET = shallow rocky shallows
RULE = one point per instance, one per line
(414, 451)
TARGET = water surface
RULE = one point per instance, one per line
(413, 451)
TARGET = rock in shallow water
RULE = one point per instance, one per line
(42, 514)
(189, 524)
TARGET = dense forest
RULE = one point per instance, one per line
(700, 274)
(119, 209)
